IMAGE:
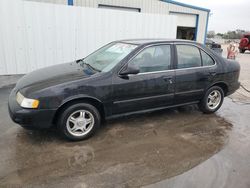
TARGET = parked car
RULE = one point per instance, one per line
(122, 78)
(244, 43)
(214, 46)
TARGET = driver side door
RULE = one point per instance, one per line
(153, 87)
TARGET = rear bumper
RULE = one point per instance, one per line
(29, 118)
(233, 87)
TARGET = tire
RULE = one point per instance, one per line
(79, 121)
(242, 51)
(244, 42)
(205, 104)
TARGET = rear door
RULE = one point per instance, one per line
(194, 71)
(153, 87)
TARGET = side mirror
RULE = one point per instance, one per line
(130, 69)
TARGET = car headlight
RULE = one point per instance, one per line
(25, 102)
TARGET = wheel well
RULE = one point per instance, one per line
(223, 86)
(99, 106)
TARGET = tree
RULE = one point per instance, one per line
(210, 34)
(237, 34)
(220, 34)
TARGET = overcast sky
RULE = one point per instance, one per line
(225, 14)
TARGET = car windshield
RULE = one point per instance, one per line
(107, 57)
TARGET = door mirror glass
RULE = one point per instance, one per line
(130, 69)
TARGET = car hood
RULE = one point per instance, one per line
(54, 75)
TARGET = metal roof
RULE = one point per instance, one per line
(186, 5)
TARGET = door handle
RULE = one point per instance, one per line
(168, 79)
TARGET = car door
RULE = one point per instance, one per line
(192, 77)
(152, 87)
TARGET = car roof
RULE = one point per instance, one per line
(153, 41)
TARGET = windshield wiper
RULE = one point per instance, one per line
(93, 68)
(84, 63)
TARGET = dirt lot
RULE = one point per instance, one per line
(170, 148)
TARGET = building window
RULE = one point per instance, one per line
(187, 33)
(131, 9)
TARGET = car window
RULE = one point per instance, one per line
(188, 56)
(154, 58)
(206, 59)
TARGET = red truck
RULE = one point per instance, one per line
(244, 43)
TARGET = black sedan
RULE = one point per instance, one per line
(214, 46)
(122, 78)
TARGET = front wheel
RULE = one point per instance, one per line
(212, 100)
(79, 121)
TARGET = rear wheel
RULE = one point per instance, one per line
(79, 121)
(244, 42)
(242, 51)
(212, 100)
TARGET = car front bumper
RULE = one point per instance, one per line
(29, 118)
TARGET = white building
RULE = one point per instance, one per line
(39, 33)
(190, 19)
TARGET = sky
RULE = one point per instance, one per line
(225, 14)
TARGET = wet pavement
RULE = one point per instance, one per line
(229, 168)
(170, 148)
(130, 151)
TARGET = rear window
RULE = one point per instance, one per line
(206, 59)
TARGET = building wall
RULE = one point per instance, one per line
(202, 21)
(148, 6)
(35, 35)
(65, 2)
(154, 7)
